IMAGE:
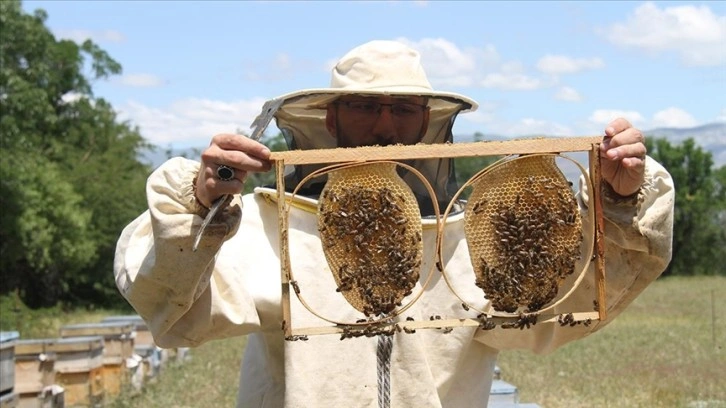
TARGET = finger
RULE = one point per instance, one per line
(243, 160)
(210, 187)
(626, 137)
(614, 128)
(241, 143)
(634, 162)
(626, 146)
(617, 126)
(626, 151)
(627, 143)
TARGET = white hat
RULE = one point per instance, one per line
(381, 68)
(374, 68)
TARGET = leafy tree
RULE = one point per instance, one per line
(70, 176)
(699, 233)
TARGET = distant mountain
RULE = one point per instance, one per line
(711, 137)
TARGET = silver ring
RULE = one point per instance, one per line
(225, 173)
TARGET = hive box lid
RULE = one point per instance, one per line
(97, 329)
(81, 343)
(33, 346)
(7, 336)
(136, 320)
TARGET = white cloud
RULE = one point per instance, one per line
(562, 64)
(673, 118)
(79, 36)
(191, 121)
(448, 65)
(568, 94)
(721, 116)
(605, 116)
(141, 80)
(511, 81)
(695, 33)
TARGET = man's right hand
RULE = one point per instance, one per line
(238, 152)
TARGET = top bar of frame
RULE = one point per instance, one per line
(440, 150)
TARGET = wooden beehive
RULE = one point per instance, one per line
(79, 369)
(34, 369)
(118, 340)
(142, 333)
(144, 345)
(7, 360)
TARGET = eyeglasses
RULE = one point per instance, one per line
(373, 108)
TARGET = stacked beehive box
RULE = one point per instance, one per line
(150, 354)
(35, 374)
(79, 369)
(118, 339)
(8, 394)
(87, 365)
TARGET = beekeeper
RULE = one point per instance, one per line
(231, 286)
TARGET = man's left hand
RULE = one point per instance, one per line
(623, 157)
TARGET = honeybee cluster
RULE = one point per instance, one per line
(373, 251)
(532, 241)
(528, 271)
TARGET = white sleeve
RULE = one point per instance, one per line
(184, 296)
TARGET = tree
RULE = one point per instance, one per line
(70, 178)
(699, 233)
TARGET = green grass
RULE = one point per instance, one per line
(665, 350)
(209, 378)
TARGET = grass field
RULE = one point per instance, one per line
(666, 350)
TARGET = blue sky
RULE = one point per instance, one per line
(193, 68)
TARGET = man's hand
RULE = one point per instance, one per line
(238, 152)
(623, 157)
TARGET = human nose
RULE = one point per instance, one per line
(384, 128)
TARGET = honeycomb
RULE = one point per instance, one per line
(370, 229)
(524, 232)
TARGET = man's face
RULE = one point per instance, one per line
(358, 120)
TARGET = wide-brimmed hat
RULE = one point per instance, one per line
(375, 68)
(379, 68)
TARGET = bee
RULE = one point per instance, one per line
(296, 338)
(295, 286)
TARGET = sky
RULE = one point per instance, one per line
(192, 69)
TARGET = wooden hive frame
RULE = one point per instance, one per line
(428, 151)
